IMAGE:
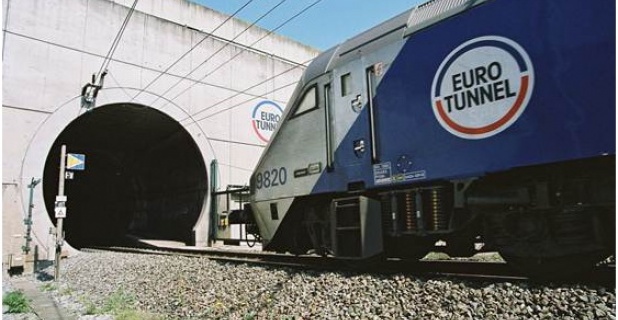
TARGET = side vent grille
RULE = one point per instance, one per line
(433, 11)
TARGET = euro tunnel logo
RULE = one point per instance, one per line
(265, 119)
(482, 87)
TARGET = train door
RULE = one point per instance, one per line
(355, 134)
(348, 102)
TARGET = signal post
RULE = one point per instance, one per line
(75, 162)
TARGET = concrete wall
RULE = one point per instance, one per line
(51, 48)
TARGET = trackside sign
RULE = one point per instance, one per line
(482, 87)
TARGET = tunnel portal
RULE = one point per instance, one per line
(144, 176)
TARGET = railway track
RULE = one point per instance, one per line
(493, 271)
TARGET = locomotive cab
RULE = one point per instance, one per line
(294, 158)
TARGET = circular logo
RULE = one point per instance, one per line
(265, 118)
(482, 87)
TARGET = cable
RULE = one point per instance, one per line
(112, 49)
(247, 89)
(240, 52)
(222, 47)
(208, 35)
(243, 102)
(118, 83)
(91, 90)
(235, 167)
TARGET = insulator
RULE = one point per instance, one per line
(410, 211)
(436, 205)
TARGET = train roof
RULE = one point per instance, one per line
(402, 25)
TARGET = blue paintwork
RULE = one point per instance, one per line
(571, 113)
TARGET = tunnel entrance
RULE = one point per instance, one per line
(144, 177)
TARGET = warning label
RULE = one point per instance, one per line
(383, 174)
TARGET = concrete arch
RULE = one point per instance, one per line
(40, 146)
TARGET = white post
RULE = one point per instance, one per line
(59, 234)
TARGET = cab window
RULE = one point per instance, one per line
(346, 84)
(308, 102)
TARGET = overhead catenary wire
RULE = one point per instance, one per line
(208, 35)
(118, 84)
(245, 91)
(221, 48)
(91, 89)
(245, 101)
(114, 46)
(239, 53)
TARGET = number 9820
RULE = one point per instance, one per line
(271, 178)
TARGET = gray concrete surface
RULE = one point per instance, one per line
(51, 49)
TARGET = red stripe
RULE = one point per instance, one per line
(258, 132)
(493, 126)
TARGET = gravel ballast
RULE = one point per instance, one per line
(169, 287)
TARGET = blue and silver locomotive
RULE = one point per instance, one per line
(463, 121)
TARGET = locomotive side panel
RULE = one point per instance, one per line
(552, 75)
(568, 115)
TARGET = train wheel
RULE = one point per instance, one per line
(548, 245)
(409, 247)
(366, 264)
(552, 268)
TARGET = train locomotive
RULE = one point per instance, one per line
(458, 122)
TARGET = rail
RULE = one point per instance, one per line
(604, 275)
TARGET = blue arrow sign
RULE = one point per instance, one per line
(76, 161)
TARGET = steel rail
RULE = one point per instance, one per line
(604, 275)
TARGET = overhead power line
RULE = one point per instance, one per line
(91, 90)
(239, 53)
(245, 101)
(208, 35)
(245, 91)
(220, 49)
(112, 49)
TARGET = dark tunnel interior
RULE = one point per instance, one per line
(144, 176)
